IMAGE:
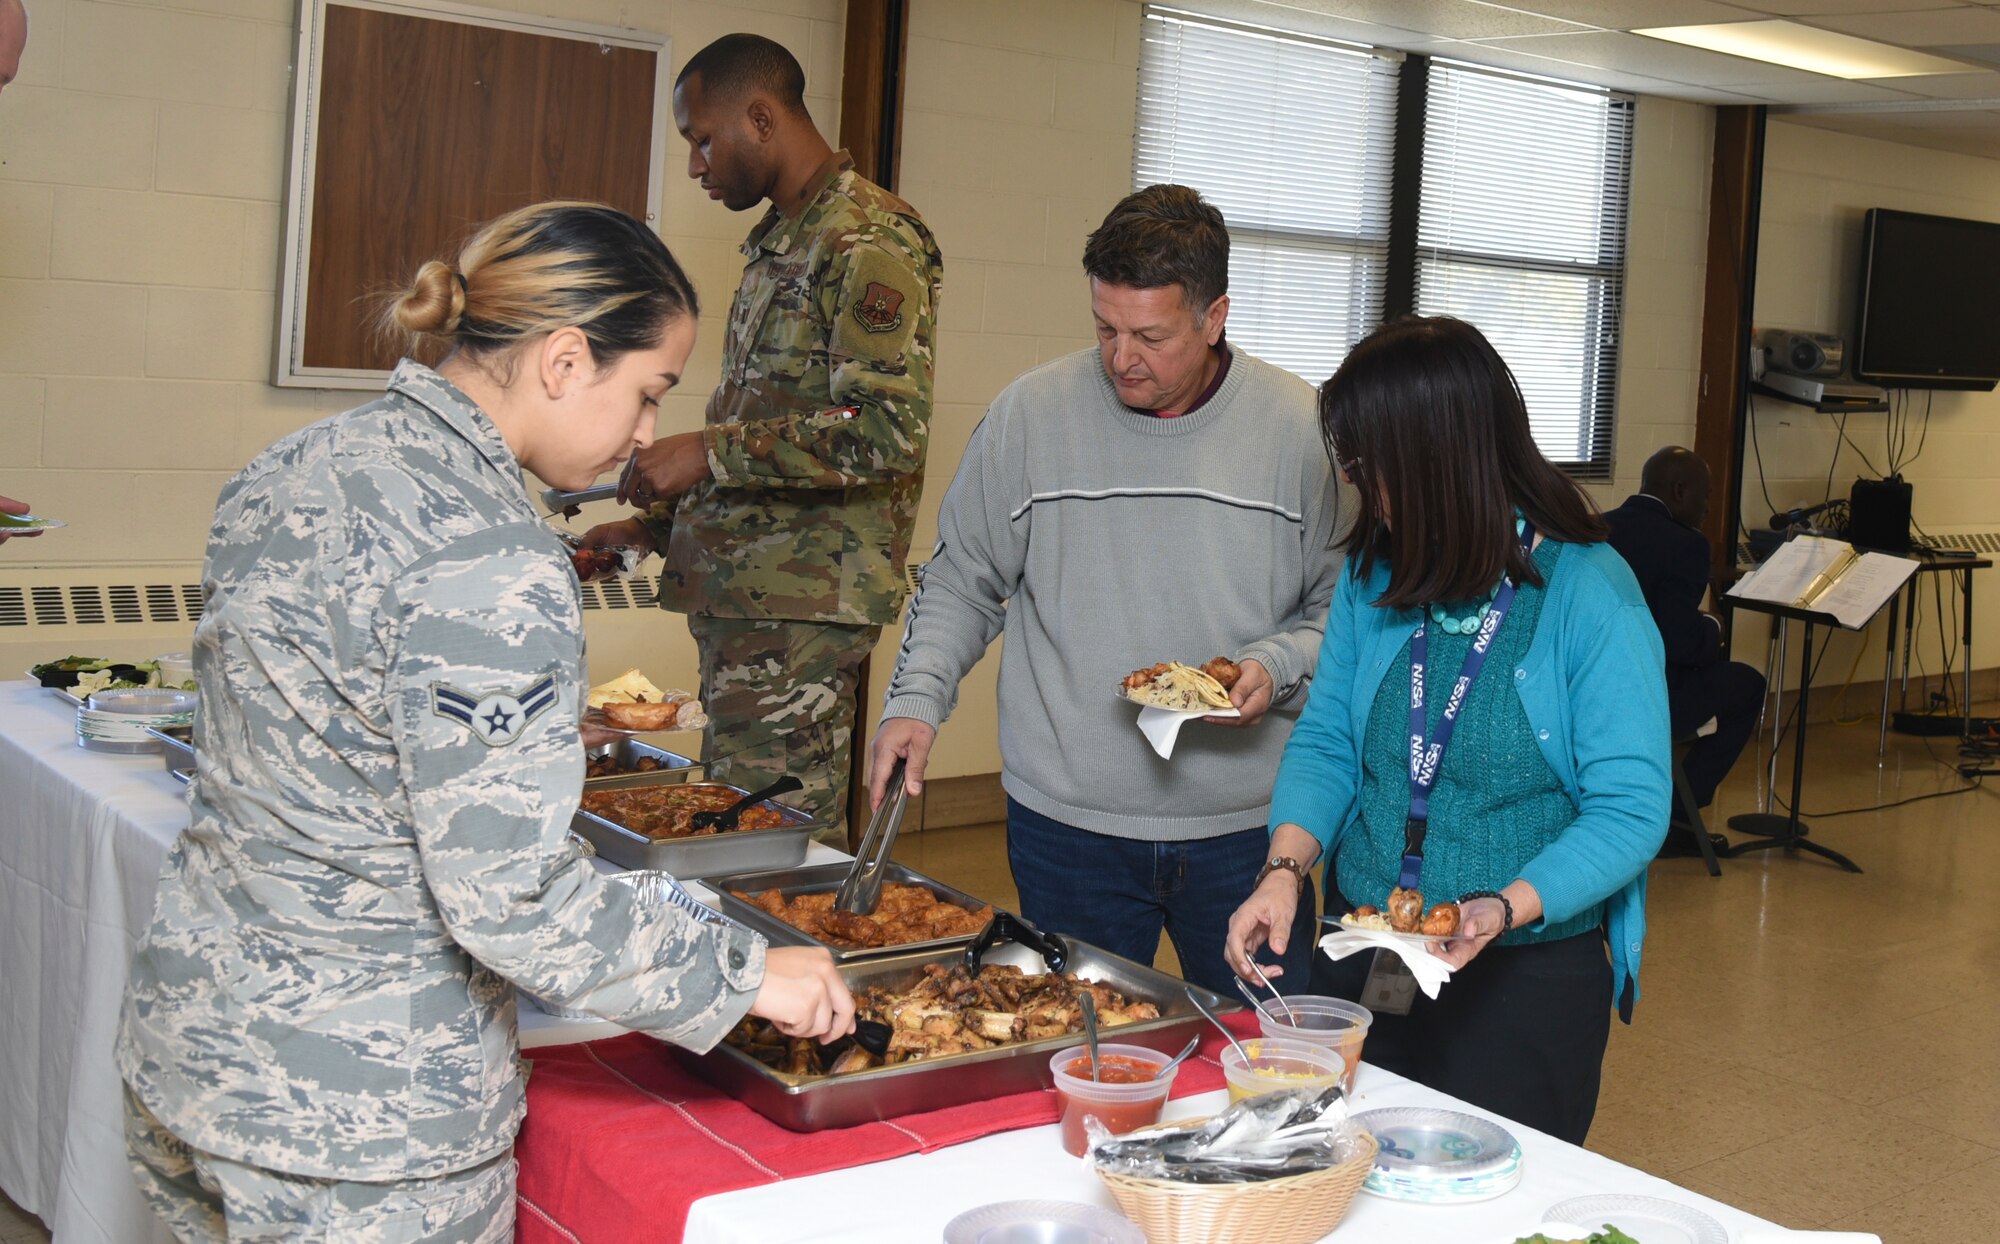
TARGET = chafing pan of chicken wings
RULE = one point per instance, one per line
(794, 907)
(947, 1018)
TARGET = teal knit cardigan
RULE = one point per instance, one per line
(1593, 686)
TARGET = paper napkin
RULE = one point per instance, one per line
(1431, 972)
(1162, 726)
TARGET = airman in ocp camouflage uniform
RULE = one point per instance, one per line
(788, 558)
(318, 1035)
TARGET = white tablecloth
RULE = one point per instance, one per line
(911, 1199)
(82, 836)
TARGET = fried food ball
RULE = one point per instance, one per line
(1365, 910)
(1224, 671)
(1406, 909)
(1442, 922)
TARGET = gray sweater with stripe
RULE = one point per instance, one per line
(1101, 540)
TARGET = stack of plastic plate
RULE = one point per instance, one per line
(116, 721)
(1440, 1157)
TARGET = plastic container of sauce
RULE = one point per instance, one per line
(1126, 1095)
(1332, 1022)
(1277, 1064)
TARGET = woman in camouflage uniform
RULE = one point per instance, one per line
(318, 1040)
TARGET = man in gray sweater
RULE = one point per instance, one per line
(1163, 498)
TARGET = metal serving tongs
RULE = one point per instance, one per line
(568, 503)
(863, 887)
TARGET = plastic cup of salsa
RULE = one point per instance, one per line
(1126, 1096)
(1276, 1064)
(1334, 1023)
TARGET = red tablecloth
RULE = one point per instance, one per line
(621, 1140)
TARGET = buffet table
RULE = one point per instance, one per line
(82, 837)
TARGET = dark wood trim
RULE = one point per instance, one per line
(871, 126)
(1406, 184)
(871, 87)
(1735, 200)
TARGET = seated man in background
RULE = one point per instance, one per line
(1657, 532)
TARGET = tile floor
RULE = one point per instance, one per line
(1814, 1046)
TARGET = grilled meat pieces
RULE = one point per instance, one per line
(948, 1010)
(904, 914)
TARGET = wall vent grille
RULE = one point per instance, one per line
(72, 604)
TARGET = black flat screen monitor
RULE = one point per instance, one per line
(1930, 302)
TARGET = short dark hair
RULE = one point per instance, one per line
(1163, 235)
(736, 65)
(1431, 420)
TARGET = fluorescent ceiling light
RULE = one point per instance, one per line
(1805, 47)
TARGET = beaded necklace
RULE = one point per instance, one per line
(1469, 624)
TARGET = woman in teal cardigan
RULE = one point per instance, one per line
(1541, 800)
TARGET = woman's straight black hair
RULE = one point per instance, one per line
(1434, 423)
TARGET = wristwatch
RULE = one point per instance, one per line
(1287, 863)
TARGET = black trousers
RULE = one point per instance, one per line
(1520, 1031)
(1732, 693)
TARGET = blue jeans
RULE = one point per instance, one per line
(1118, 893)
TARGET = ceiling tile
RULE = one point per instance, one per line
(1655, 58)
(1949, 85)
(1924, 28)
(1826, 91)
(1625, 14)
(1963, 142)
(1315, 17)
(1508, 54)
(1814, 8)
(1448, 19)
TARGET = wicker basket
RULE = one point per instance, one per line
(1294, 1210)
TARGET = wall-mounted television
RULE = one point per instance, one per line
(1930, 302)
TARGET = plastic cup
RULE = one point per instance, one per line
(1121, 1108)
(1279, 1063)
(1334, 1023)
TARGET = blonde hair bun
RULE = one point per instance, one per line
(434, 303)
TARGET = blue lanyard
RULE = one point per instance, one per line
(1426, 750)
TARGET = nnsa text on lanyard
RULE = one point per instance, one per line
(1427, 753)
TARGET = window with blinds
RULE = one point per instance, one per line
(1506, 208)
(1292, 138)
(1521, 230)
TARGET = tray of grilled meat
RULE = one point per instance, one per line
(643, 823)
(628, 762)
(176, 749)
(963, 1024)
(794, 907)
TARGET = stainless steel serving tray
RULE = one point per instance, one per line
(813, 1103)
(630, 751)
(705, 856)
(824, 879)
(176, 747)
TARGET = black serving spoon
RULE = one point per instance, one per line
(724, 820)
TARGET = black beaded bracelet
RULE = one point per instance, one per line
(1505, 906)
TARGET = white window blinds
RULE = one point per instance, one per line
(1292, 138)
(1521, 230)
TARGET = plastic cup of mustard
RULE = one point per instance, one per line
(1279, 1063)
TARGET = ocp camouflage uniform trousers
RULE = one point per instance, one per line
(782, 698)
(203, 1197)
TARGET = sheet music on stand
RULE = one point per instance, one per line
(1826, 576)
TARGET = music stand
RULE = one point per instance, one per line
(1770, 831)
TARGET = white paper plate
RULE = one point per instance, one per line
(1413, 939)
(1647, 1219)
(1041, 1222)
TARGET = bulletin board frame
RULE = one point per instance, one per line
(290, 367)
